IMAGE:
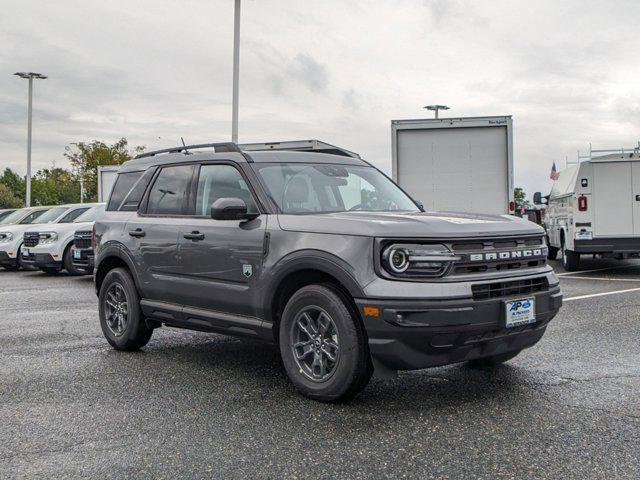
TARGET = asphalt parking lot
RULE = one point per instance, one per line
(201, 405)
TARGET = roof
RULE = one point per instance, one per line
(275, 156)
(314, 145)
(613, 157)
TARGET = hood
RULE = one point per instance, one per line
(60, 228)
(443, 225)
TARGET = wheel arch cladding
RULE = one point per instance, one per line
(110, 259)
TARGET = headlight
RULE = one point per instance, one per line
(6, 237)
(416, 260)
(48, 237)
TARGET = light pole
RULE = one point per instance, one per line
(30, 76)
(436, 108)
(236, 71)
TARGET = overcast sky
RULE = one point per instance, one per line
(339, 71)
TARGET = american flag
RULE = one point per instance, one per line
(554, 172)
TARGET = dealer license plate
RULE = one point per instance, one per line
(77, 254)
(520, 312)
(25, 252)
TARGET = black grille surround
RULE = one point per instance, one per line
(31, 239)
(513, 288)
(477, 256)
(82, 240)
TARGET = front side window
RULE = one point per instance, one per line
(49, 216)
(121, 188)
(326, 188)
(168, 195)
(221, 181)
(72, 215)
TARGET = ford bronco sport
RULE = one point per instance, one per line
(322, 254)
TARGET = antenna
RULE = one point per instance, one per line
(186, 152)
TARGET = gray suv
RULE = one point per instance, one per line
(321, 254)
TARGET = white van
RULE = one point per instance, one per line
(594, 208)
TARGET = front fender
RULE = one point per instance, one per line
(110, 250)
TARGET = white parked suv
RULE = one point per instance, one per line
(49, 246)
(12, 228)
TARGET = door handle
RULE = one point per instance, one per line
(138, 233)
(194, 236)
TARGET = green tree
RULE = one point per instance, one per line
(520, 199)
(54, 186)
(85, 159)
(7, 198)
(14, 182)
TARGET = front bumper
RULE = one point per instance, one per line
(41, 260)
(6, 260)
(414, 334)
(86, 261)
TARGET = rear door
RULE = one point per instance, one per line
(613, 198)
(635, 175)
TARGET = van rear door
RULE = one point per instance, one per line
(635, 175)
(613, 200)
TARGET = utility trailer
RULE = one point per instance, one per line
(300, 146)
(456, 164)
(594, 208)
(106, 178)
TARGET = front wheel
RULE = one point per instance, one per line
(323, 345)
(570, 259)
(121, 317)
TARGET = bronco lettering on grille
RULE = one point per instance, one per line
(480, 257)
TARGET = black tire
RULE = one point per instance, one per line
(570, 259)
(134, 333)
(493, 360)
(51, 270)
(353, 368)
(552, 252)
(67, 263)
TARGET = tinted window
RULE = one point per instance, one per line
(72, 215)
(123, 185)
(221, 181)
(132, 201)
(12, 217)
(4, 215)
(168, 195)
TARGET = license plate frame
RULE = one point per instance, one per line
(519, 312)
(25, 252)
(77, 255)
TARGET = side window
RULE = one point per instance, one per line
(220, 181)
(123, 185)
(132, 201)
(168, 195)
(72, 215)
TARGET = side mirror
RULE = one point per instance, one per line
(537, 198)
(231, 209)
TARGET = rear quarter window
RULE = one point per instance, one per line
(124, 184)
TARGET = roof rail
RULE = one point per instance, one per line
(218, 147)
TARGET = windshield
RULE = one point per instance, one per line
(13, 217)
(33, 216)
(50, 215)
(325, 188)
(90, 215)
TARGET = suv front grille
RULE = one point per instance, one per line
(488, 291)
(31, 239)
(499, 254)
(82, 240)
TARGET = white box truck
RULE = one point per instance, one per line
(106, 178)
(456, 164)
(594, 208)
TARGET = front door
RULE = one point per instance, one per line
(223, 258)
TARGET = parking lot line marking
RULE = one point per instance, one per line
(581, 297)
(564, 274)
(606, 279)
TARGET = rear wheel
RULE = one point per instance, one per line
(121, 317)
(67, 262)
(323, 345)
(494, 360)
(570, 259)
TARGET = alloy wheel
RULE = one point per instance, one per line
(314, 343)
(116, 309)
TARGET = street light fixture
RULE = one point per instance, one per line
(436, 108)
(29, 76)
